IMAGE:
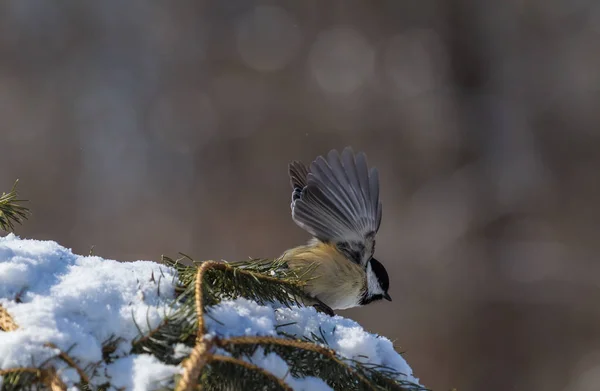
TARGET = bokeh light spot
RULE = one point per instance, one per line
(412, 62)
(341, 60)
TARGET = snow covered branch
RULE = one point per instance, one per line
(70, 321)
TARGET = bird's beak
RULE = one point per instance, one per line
(387, 296)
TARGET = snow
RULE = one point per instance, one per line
(140, 372)
(78, 302)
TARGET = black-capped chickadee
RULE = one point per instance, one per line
(336, 200)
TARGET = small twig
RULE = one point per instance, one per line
(35, 371)
(65, 357)
(329, 353)
(252, 367)
(50, 379)
(150, 332)
(194, 364)
(277, 341)
(200, 297)
(192, 367)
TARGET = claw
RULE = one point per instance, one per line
(324, 308)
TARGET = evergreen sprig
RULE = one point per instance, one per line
(11, 210)
(256, 279)
(260, 280)
(31, 378)
(229, 373)
(20, 379)
(313, 359)
(178, 326)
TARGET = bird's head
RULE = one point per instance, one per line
(378, 283)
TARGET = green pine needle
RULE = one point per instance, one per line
(20, 381)
(224, 375)
(11, 211)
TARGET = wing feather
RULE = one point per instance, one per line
(337, 200)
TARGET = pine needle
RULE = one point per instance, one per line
(11, 210)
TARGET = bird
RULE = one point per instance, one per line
(336, 200)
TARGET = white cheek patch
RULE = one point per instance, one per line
(372, 282)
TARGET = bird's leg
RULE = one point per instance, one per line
(324, 308)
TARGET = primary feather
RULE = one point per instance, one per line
(337, 201)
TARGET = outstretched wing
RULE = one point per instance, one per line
(337, 201)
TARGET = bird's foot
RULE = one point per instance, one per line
(323, 308)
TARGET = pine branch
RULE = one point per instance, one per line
(257, 280)
(229, 373)
(338, 372)
(303, 355)
(27, 379)
(193, 366)
(11, 211)
(23, 379)
(70, 362)
(262, 281)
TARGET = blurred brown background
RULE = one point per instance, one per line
(148, 128)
